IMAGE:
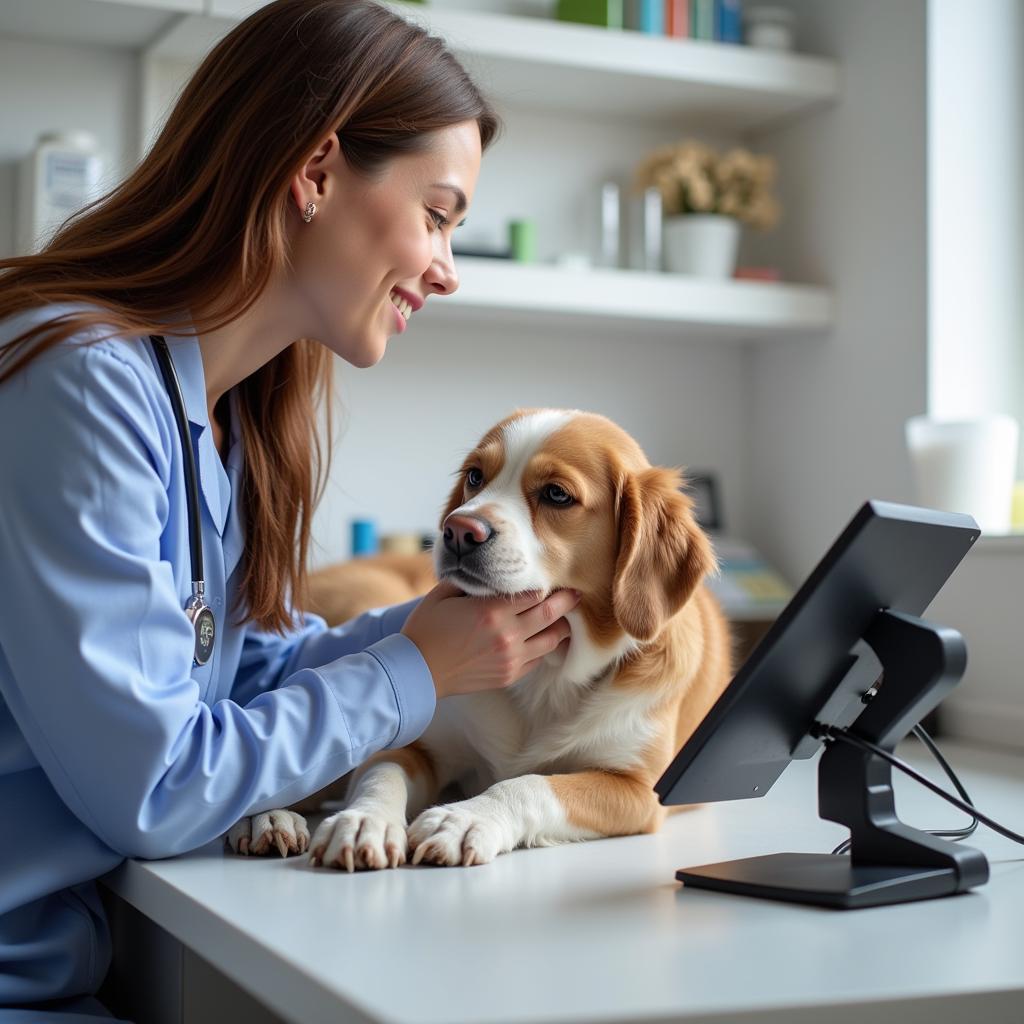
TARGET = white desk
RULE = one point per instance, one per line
(601, 931)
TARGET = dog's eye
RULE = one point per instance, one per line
(556, 495)
(474, 477)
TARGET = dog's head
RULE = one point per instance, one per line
(555, 498)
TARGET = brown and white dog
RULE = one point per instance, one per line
(549, 499)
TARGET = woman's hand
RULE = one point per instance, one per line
(486, 643)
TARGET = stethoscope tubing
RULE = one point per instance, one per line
(173, 385)
(198, 612)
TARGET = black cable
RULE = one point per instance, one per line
(828, 732)
(959, 833)
(955, 834)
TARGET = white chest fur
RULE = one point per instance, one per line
(546, 722)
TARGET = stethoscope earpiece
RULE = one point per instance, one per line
(196, 608)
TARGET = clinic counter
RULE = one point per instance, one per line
(590, 932)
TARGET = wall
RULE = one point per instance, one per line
(825, 429)
(976, 208)
(825, 420)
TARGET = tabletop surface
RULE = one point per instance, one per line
(602, 931)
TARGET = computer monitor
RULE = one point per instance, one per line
(847, 651)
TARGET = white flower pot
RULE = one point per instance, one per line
(702, 244)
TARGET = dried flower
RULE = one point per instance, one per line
(693, 178)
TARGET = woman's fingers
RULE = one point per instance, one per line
(539, 617)
(485, 643)
(544, 642)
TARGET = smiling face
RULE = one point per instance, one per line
(375, 242)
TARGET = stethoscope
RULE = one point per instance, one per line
(196, 608)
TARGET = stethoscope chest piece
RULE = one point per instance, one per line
(205, 625)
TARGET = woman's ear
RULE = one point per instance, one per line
(663, 553)
(307, 182)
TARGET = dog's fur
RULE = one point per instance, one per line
(340, 592)
(572, 750)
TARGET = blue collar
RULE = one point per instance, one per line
(188, 364)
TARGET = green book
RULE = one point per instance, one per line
(606, 13)
(702, 19)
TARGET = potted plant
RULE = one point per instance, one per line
(706, 198)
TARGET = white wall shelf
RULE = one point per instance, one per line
(536, 295)
(536, 62)
(123, 24)
(584, 69)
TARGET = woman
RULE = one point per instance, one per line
(306, 182)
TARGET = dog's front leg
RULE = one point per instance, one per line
(534, 810)
(370, 831)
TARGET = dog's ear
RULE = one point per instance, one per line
(663, 553)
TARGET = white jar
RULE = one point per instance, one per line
(55, 180)
(769, 28)
(966, 466)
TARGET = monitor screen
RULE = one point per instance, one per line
(812, 665)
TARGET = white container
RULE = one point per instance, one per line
(702, 244)
(609, 238)
(966, 466)
(769, 28)
(55, 180)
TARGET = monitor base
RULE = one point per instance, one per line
(823, 879)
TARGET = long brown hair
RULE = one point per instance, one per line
(199, 225)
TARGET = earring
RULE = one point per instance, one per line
(310, 210)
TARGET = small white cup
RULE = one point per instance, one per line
(966, 466)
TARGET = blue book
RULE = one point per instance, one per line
(645, 16)
(729, 21)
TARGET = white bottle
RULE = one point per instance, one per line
(61, 175)
(609, 226)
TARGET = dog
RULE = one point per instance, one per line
(548, 499)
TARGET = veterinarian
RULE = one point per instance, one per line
(298, 203)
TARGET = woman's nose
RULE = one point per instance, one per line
(441, 274)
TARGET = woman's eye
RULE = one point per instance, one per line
(440, 220)
(474, 478)
(556, 495)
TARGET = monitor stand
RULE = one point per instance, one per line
(889, 862)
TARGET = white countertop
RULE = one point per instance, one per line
(601, 931)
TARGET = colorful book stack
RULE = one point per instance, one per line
(715, 20)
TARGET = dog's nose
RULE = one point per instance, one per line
(463, 534)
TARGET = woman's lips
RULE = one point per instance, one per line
(400, 320)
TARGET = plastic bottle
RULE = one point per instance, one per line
(58, 178)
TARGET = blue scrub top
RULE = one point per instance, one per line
(112, 744)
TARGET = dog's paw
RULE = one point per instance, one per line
(355, 838)
(453, 834)
(284, 831)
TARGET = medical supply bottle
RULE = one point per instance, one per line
(58, 178)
